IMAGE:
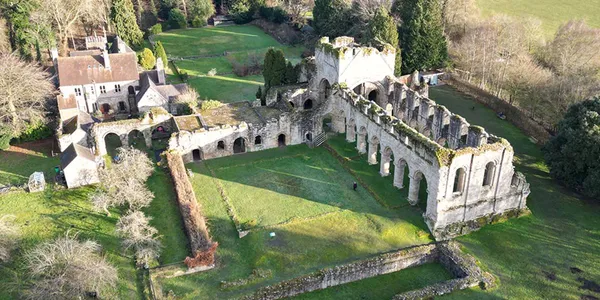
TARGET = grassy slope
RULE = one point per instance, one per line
(562, 232)
(553, 13)
(363, 229)
(239, 41)
(20, 161)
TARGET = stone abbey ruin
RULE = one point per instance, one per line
(470, 175)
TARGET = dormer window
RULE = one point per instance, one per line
(117, 88)
(102, 89)
(77, 92)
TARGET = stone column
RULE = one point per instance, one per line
(361, 144)
(413, 190)
(350, 134)
(101, 147)
(338, 124)
(373, 153)
(148, 137)
(399, 175)
(384, 169)
(124, 140)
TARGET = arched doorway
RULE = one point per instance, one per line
(386, 161)
(308, 104)
(281, 142)
(324, 90)
(401, 173)
(309, 137)
(239, 145)
(197, 155)
(361, 141)
(112, 142)
(417, 194)
(257, 140)
(136, 140)
(373, 96)
(105, 108)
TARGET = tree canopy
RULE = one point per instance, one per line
(332, 17)
(124, 21)
(159, 51)
(573, 153)
(275, 68)
(382, 28)
(147, 59)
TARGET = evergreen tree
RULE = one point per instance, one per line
(331, 17)
(423, 41)
(123, 18)
(17, 15)
(202, 9)
(572, 154)
(290, 74)
(146, 59)
(383, 28)
(159, 51)
(177, 19)
(152, 9)
(274, 69)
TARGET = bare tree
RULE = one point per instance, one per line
(9, 236)
(64, 15)
(138, 235)
(458, 15)
(189, 96)
(4, 41)
(68, 269)
(124, 182)
(297, 9)
(24, 88)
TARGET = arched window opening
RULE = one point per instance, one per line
(515, 180)
(488, 175)
(221, 145)
(373, 95)
(258, 140)
(239, 145)
(308, 104)
(281, 140)
(459, 181)
(309, 137)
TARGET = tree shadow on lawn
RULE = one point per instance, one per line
(20, 161)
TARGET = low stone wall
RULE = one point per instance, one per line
(513, 114)
(201, 244)
(447, 253)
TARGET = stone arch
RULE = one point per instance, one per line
(373, 146)
(459, 181)
(324, 90)
(489, 174)
(386, 160)
(221, 145)
(338, 122)
(136, 139)
(401, 172)
(361, 141)
(308, 104)
(197, 154)
(373, 91)
(258, 140)
(351, 131)
(112, 142)
(417, 194)
(239, 145)
(308, 136)
(281, 140)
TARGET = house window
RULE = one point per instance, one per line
(77, 92)
(92, 89)
(117, 88)
(121, 106)
(102, 89)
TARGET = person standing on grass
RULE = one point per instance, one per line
(354, 185)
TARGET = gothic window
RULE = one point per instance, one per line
(488, 175)
(459, 181)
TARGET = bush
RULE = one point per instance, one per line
(572, 155)
(177, 19)
(155, 29)
(198, 22)
(273, 14)
(147, 59)
(251, 66)
(34, 132)
(210, 104)
(241, 12)
(5, 137)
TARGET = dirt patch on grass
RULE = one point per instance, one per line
(36, 147)
(589, 285)
(549, 275)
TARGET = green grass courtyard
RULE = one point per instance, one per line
(196, 51)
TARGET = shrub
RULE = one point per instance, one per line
(146, 59)
(159, 51)
(5, 137)
(259, 93)
(251, 66)
(155, 29)
(210, 104)
(241, 12)
(198, 22)
(34, 132)
(177, 19)
(273, 14)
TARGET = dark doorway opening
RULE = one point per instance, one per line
(105, 108)
(196, 155)
(131, 90)
(239, 146)
(221, 145)
(258, 140)
(309, 137)
(373, 95)
(308, 104)
(281, 140)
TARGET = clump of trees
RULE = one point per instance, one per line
(24, 90)
(9, 237)
(138, 235)
(572, 154)
(67, 268)
(125, 23)
(276, 71)
(146, 59)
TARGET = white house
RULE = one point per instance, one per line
(79, 166)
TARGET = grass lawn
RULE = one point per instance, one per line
(552, 13)
(20, 161)
(239, 42)
(384, 286)
(532, 256)
(272, 186)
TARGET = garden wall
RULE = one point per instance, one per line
(448, 254)
(513, 114)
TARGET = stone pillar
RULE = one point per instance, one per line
(413, 190)
(399, 175)
(384, 169)
(148, 137)
(338, 124)
(361, 143)
(350, 133)
(373, 153)
(101, 147)
(124, 140)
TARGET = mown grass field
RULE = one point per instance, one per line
(305, 197)
(46, 215)
(216, 48)
(532, 256)
(552, 13)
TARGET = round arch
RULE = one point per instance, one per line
(418, 192)
(401, 173)
(386, 161)
(112, 142)
(239, 145)
(324, 90)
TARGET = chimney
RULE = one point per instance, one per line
(106, 59)
(160, 71)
